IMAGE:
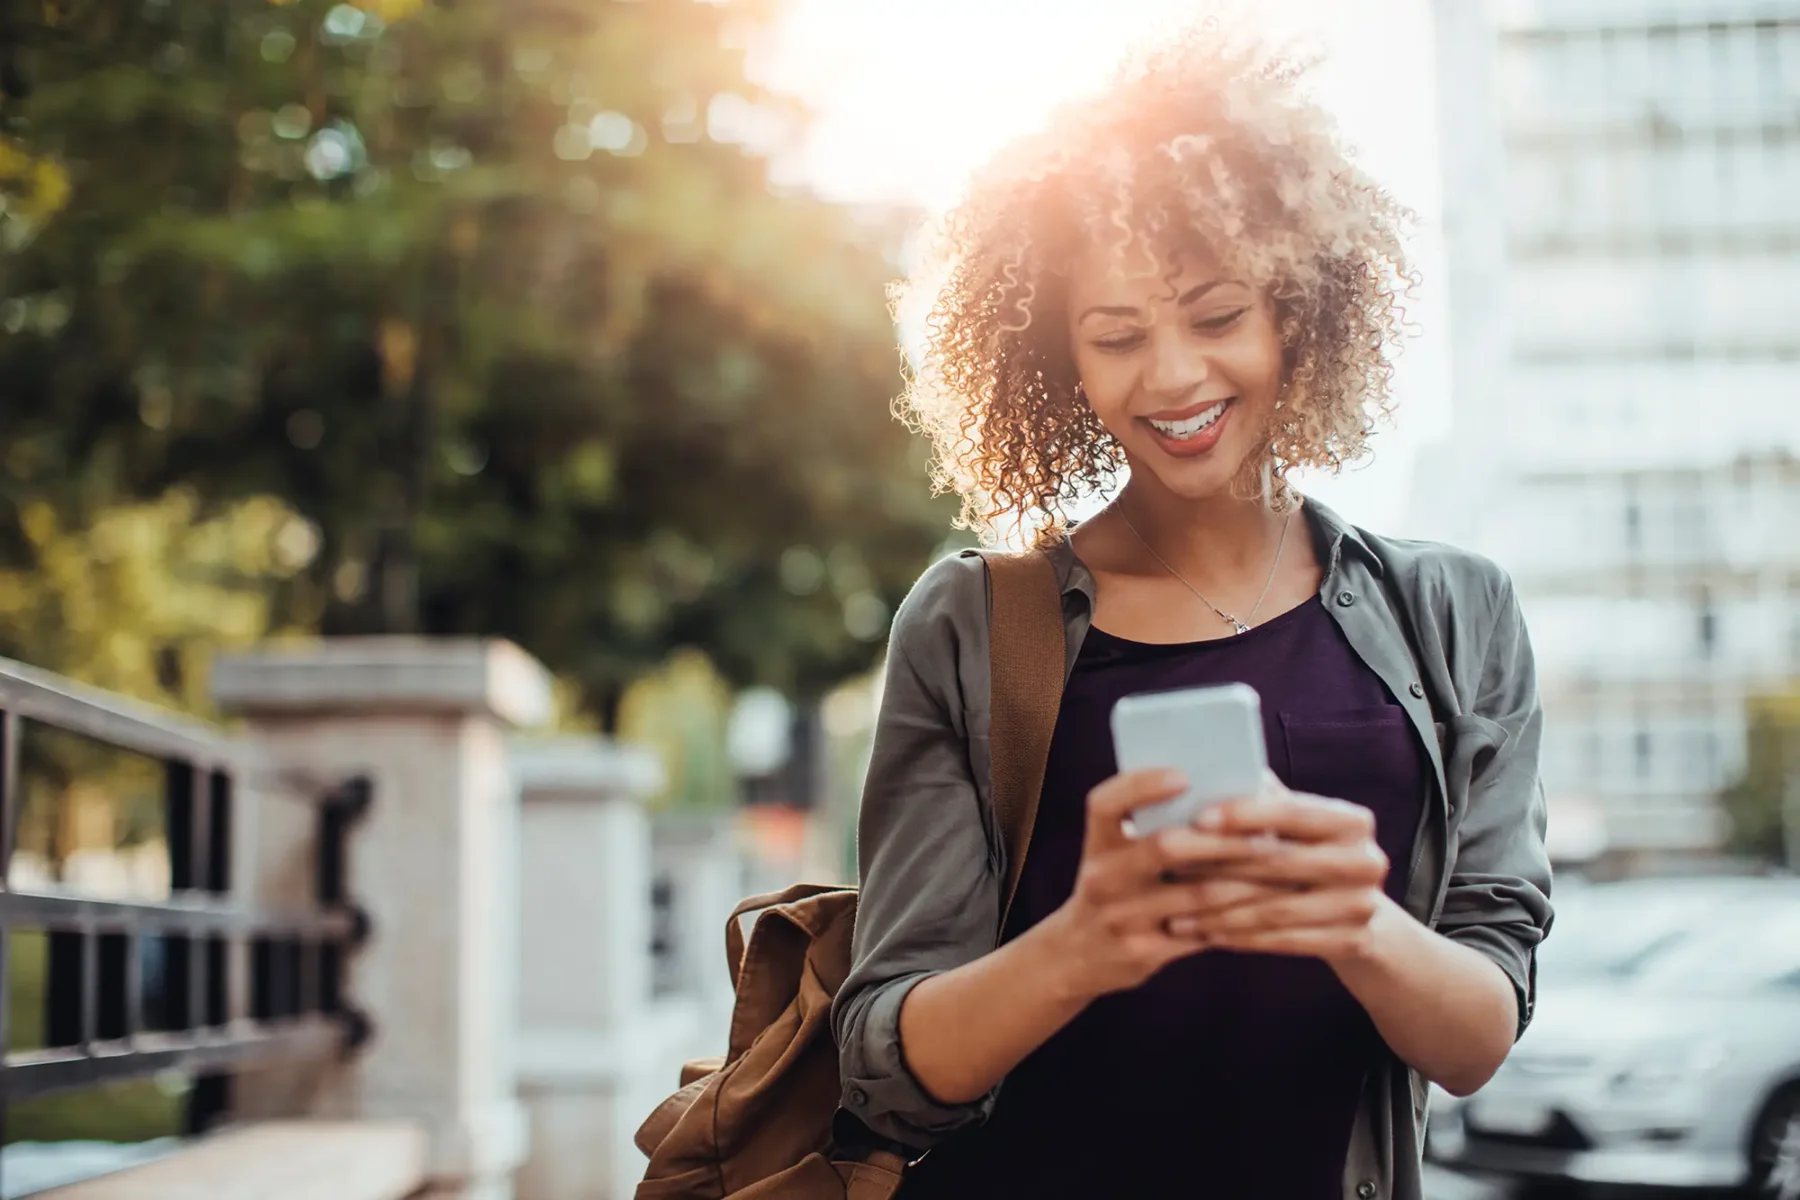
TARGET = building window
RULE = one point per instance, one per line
(1709, 629)
(1641, 746)
(1634, 526)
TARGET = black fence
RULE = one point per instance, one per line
(201, 983)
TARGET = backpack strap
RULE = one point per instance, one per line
(1027, 659)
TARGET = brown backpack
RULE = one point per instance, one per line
(758, 1121)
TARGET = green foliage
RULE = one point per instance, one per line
(139, 600)
(1755, 801)
(681, 712)
(474, 291)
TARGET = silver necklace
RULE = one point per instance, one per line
(1237, 626)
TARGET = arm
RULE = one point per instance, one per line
(1498, 898)
(1452, 1002)
(1449, 1002)
(1444, 1008)
(930, 899)
(965, 1029)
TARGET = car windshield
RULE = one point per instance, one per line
(1752, 947)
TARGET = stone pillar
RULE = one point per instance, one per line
(698, 858)
(596, 1051)
(434, 864)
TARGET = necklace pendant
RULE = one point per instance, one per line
(1237, 626)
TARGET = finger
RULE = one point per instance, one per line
(1133, 865)
(1186, 848)
(1318, 865)
(1323, 907)
(1112, 801)
(1293, 815)
(1153, 909)
(1314, 943)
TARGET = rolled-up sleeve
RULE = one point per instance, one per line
(929, 876)
(1498, 896)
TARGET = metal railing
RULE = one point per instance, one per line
(203, 982)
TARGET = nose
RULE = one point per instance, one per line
(1177, 367)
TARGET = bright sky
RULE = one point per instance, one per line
(911, 94)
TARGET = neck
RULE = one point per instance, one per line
(1217, 535)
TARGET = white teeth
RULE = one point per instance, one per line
(1191, 426)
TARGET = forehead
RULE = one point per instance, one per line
(1136, 273)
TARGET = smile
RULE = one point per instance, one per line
(1190, 425)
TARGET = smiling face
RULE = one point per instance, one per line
(1183, 367)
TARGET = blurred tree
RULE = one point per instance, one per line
(497, 296)
(136, 603)
(681, 711)
(1755, 803)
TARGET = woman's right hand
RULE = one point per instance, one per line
(1112, 931)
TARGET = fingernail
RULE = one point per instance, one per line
(1174, 779)
(1211, 818)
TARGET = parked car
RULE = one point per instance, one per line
(1665, 1050)
(1609, 930)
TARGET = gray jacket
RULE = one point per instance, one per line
(1442, 629)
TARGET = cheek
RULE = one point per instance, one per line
(1257, 360)
(1106, 380)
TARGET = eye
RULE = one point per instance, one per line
(1119, 343)
(1222, 321)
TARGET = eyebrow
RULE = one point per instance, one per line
(1125, 310)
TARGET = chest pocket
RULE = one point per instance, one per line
(1360, 754)
(1368, 756)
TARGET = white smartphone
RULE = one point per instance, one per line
(1212, 735)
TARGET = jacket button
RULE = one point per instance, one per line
(1366, 1189)
(1417, 689)
(1346, 599)
(858, 1097)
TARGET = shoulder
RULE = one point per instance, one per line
(946, 606)
(1413, 571)
(1413, 563)
(1454, 588)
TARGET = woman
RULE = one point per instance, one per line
(1187, 281)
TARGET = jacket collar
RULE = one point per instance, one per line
(1338, 535)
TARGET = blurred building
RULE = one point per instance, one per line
(1622, 228)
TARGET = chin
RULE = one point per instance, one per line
(1195, 485)
(1209, 478)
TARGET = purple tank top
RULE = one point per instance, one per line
(1225, 1074)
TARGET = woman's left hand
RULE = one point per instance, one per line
(1322, 857)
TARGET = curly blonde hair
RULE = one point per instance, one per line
(1205, 140)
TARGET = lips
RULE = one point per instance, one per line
(1191, 431)
(1188, 413)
